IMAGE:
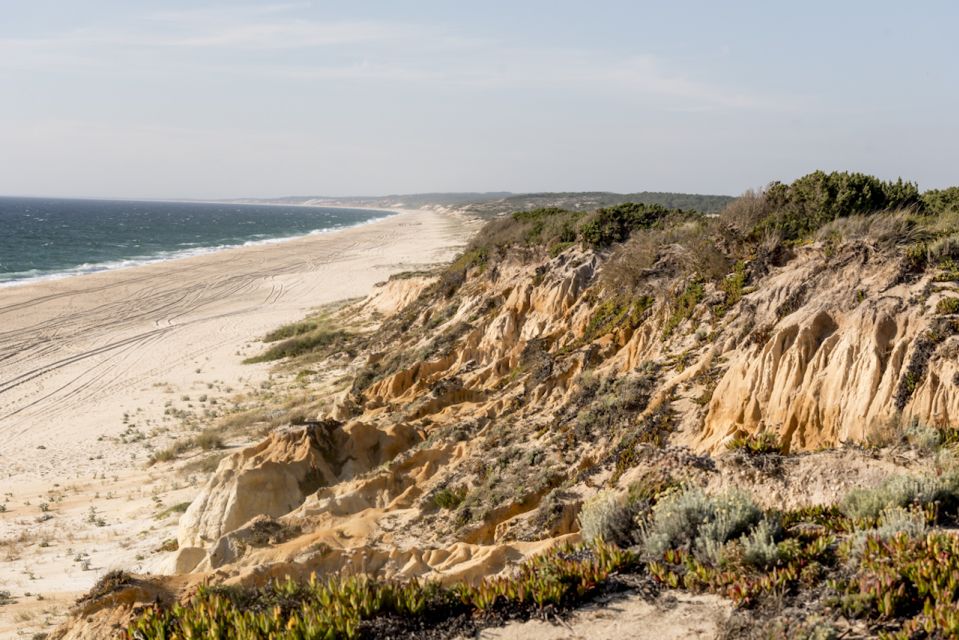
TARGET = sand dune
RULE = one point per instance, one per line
(84, 358)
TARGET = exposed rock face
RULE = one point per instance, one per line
(104, 612)
(271, 478)
(817, 356)
(841, 366)
(487, 416)
(275, 477)
(396, 293)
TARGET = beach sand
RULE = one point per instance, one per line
(91, 368)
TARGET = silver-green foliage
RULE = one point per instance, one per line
(759, 546)
(900, 491)
(700, 522)
(608, 517)
(892, 522)
(923, 437)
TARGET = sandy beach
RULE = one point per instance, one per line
(91, 365)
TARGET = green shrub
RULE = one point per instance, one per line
(756, 444)
(910, 581)
(207, 440)
(538, 228)
(547, 226)
(607, 404)
(733, 286)
(291, 330)
(945, 251)
(558, 248)
(901, 491)
(180, 507)
(344, 606)
(759, 546)
(610, 518)
(449, 498)
(915, 257)
(615, 224)
(941, 200)
(947, 306)
(815, 199)
(923, 437)
(892, 522)
(617, 312)
(743, 214)
(300, 344)
(453, 276)
(169, 454)
(684, 307)
(698, 522)
(555, 229)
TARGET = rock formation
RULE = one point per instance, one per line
(483, 412)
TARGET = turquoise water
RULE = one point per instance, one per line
(42, 238)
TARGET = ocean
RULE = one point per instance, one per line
(45, 238)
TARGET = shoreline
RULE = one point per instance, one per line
(98, 371)
(166, 256)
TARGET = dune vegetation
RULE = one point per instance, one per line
(760, 404)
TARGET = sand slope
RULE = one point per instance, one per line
(78, 354)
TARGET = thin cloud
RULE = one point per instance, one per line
(279, 35)
(583, 70)
(650, 75)
(223, 13)
(293, 35)
(369, 51)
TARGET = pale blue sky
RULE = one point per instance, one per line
(189, 99)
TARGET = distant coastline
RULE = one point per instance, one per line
(166, 246)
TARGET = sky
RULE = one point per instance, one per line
(170, 99)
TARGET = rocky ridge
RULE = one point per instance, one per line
(498, 395)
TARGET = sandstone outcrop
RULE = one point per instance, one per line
(816, 356)
(479, 420)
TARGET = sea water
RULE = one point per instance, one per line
(44, 238)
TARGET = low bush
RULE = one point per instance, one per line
(684, 306)
(552, 230)
(292, 330)
(808, 203)
(207, 440)
(359, 606)
(733, 285)
(759, 546)
(300, 345)
(548, 226)
(180, 507)
(756, 444)
(911, 579)
(619, 312)
(923, 437)
(939, 201)
(945, 248)
(603, 406)
(447, 498)
(698, 522)
(611, 225)
(947, 306)
(744, 214)
(902, 491)
(608, 517)
(892, 522)
(169, 454)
